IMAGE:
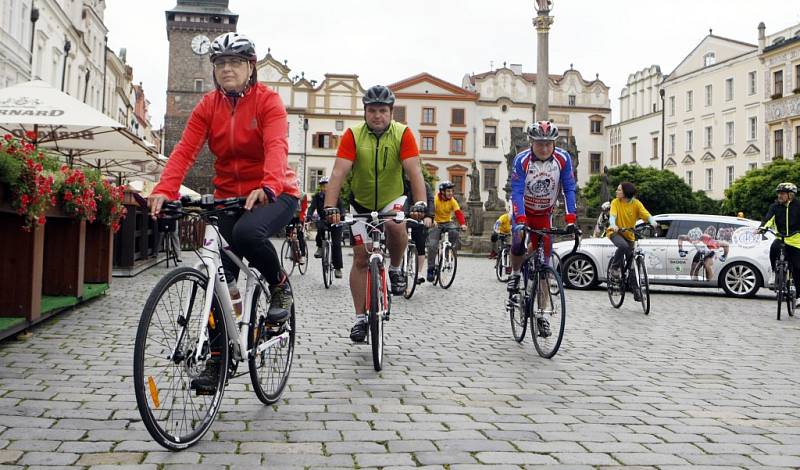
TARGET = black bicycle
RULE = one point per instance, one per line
(634, 273)
(327, 264)
(410, 265)
(784, 284)
(291, 254)
(537, 300)
(502, 264)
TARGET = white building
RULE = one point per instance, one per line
(636, 138)
(506, 103)
(780, 59)
(713, 112)
(15, 41)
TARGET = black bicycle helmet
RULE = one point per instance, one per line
(378, 94)
(444, 185)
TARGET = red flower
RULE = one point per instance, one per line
(68, 196)
(30, 135)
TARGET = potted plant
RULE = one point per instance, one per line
(26, 180)
(99, 234)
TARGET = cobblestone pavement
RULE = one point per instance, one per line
(703, 381)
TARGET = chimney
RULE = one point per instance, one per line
(516, 68)
(762, 38)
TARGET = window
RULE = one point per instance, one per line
(572, 100)
(399, 114)
(198, 85)
(428, 143)
(728, 89)
(797, 77)
(595, 126)
(489, 178)
(753, 121)
(428, 116)
(595, 162)
(751, 83)
(633, 152)
(458, 182)
(778, 143)
(655, 148)
(672, 144)
(689, 96)
(322, 140)
(729, 133)
(457, 116)
(671, 105)
(689, 140)
(709, 179)
(519, 131)
(709, 95)
(709, 59)
(777, 84)
(314, 175)
(708, 133)
(457, 145)
(339, 126)
(752, 166)
(729, 176)
(797, 140)
(689, 178)
(490, 136)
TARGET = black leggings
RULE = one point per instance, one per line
(792, 255)
(336, 243)
(248, 234)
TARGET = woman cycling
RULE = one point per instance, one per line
(244, 123)
(625, 211)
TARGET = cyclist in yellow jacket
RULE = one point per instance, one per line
(445, 207)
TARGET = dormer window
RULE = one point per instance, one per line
(709, 59)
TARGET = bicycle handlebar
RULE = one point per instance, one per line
(777, 234)
(207, 204)
(576, 233)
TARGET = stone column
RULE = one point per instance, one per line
(542, 23)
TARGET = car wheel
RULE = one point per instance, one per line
(740, 280)
(579, 272)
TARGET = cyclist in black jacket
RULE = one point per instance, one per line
(317, 205)
(419, 233)
(784, 217)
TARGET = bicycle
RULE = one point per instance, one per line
(410, 266)
(291, 252)
(446, 262)
(617, 284)
(784, 284)
(327, 264)
(502, 264)
(187, 312)
(379, 300)
(530, 303)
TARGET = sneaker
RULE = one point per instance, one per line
(493, 255)
(513, 283)
(280, 303)
(431, 274)
(544, 327)
(302, 260)
(398, 281)
(420, 280)
(359, 331)
(206, 382)
(337, 273)
(318, 253)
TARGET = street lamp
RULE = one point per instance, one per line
(661, 93)
(34, 19)
(305, 146)
(67, 47)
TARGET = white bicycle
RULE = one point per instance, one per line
(188, 317)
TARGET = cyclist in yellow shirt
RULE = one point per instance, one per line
(445, 206)
(500, 233)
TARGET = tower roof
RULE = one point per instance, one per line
(219, 7)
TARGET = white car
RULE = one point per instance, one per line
(691, 250)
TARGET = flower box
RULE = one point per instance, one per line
(64, 252)
(21, 264)
(99, 249)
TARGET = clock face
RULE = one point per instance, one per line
(200, 44)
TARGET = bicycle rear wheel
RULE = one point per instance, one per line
(548, 313)
(447, 270)
(780, 285)
(327, 269)
(298, 255)
(616, 288)
(411, 270)
(270, 368)
(644, 285)
(164, 359)
(516, 305)
(377, 306)
(791, 295)
(287, 264)
(500, 264)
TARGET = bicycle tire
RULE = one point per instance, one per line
(437, 269)
(503, 265)
(298, 255)
(555, 263)
(548, 346)
(280, 355)
(377, 296)
(644, 286)
(327, 269)
(411, 270)
(287, 264)
(780, 285)
(448, 267)
(791, 295)
(615, 286)
(186, 286)
(518, 310)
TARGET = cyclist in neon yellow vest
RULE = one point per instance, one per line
(377, 152)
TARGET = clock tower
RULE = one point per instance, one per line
(191, 26)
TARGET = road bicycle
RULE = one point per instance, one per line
(410, 264)
(633, 273)
(784, 284)
(291, 254)
(188, 318)
(502, 263)
(327, 264)
(446, 261)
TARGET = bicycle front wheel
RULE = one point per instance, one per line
(615, 284)
(447, 270)
(516, 305)
(780, 286)
(287, 264)
(164, 359)
(327, 269)
(411, 270)
(269, 368)
(644, 286)
(298, 255)
(548, 312)
(791, 295)
(377, 307)
(555, 263)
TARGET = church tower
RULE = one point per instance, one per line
(191, 26)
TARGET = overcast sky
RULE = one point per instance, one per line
(449, 38)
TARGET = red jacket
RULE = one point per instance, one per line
(249, 142)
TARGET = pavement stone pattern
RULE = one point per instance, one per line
(704, 381)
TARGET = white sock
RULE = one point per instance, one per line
(515, 273)
(361, 317)
(394, 269)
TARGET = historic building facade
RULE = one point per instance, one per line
(780, 58)
(15, 40)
